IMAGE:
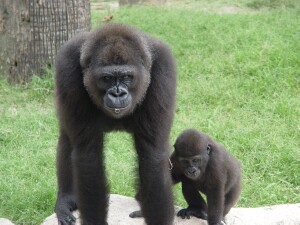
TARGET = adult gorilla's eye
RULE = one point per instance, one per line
(127, 77)
(196, 160)
(107, 78)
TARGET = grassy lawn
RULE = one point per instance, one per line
(238, 80)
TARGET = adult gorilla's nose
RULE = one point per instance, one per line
(119, 92)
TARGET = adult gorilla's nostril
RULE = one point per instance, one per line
(119, 92)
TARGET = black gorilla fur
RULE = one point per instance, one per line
(113, 78)
(201, 164)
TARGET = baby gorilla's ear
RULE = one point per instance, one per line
(208, 148)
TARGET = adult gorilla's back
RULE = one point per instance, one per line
(114, 78)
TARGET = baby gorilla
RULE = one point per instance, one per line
(201, 164)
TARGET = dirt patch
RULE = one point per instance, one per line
(213, 7)
(99, 6)
(230, 10)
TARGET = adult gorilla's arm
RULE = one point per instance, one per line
(80, 140)
(152, 137)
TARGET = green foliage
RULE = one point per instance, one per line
(238, 81)
(28, 134)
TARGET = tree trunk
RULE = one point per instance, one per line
(32, 31)
(130, 2)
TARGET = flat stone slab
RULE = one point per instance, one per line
(288, 214)
(4, 221)
(121, 206)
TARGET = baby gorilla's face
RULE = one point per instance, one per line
(191, 166)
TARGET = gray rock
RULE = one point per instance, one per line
(288, 214)
(121, 206)
(4, 221)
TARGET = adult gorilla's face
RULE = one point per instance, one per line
(114, 88)
(117, 81)
(117, 76)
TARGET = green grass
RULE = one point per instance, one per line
(238, 80)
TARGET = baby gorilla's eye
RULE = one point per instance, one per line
(196, 160)
(208, 147)
(184, 162)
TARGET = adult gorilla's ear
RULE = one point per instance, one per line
(87, 51)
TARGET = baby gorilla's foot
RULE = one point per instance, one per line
(192, 211)
(136, 214)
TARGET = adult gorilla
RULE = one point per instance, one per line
(114, 78)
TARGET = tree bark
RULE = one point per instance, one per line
(32, 31)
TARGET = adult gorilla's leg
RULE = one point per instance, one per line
(90, 182)
(155, 183)
(65, 198)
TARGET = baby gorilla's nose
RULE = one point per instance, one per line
(192, 170)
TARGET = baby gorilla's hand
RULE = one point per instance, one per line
(192, 211)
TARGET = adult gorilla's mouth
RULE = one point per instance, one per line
(117, 106)
(116, 102)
